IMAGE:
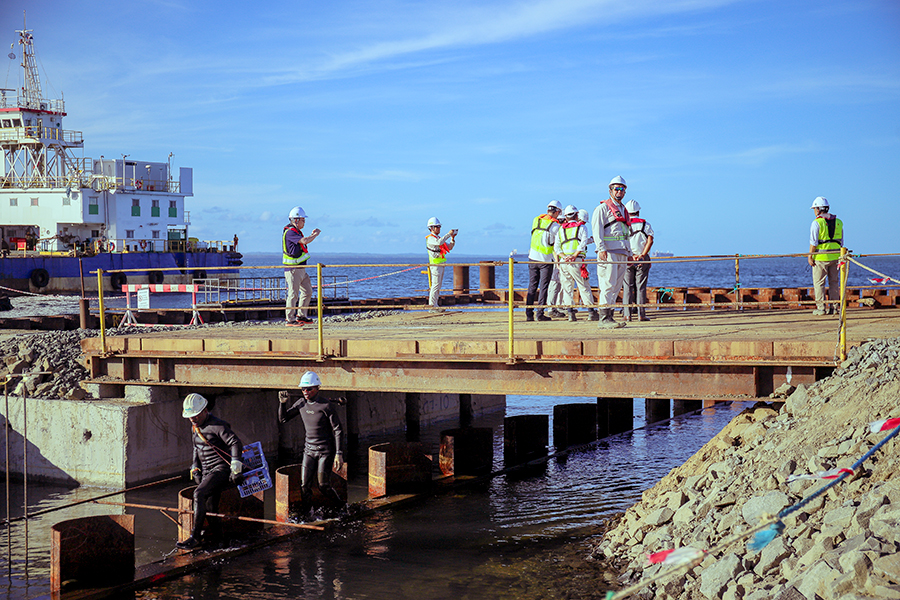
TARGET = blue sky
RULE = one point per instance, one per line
(727, 118)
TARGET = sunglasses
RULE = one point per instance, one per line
(618, 188)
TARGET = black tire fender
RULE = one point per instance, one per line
(201, 274)
(39, 278)
(155, 277)
(117, 280)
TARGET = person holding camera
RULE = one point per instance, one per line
(437, 247)
(216, 466)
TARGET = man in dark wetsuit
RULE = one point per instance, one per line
(216, 466)
(323, 446)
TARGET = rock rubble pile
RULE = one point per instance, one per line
(49, 364)
(844, 544)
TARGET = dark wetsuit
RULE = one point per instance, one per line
(214, 461)
(323, 439)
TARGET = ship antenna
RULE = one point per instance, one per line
(31, 91)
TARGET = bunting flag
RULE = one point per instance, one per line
(762, 538)
(676, 556)
(884, 425)
(829, 474)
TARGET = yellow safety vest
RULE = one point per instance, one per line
(831, 237)
(570, 244)
(442, 250)
(539, 227)
(287, 259)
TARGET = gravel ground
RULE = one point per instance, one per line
(41, 306)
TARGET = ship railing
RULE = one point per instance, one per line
(23, 101)
(73, 180)
(43, 134)
(138, 183)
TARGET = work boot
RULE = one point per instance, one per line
(528, 317)
(556, 313)
(572, 316)
(187, 544)
(819, 312)
(543, 317)
(595, 316)
(607, 321)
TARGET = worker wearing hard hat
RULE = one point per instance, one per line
(216, 465)
(640, 238)
(294, 256)
(438, 246)
(610, 226)
(323, 447)
(540, 268)
(571, 248)
(826, 238)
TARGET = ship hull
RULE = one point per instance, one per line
(47, 274)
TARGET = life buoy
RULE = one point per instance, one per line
(39, 278)
(112, 246)
(117, 280)
(143, 244)
(155, 277)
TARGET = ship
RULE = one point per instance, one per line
(63, 216)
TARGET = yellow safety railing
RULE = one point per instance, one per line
(511, 305)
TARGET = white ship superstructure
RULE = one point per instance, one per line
(53, 200)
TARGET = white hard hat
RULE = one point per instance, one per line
(555, 204)
(617, 180)
(570, 211)
(434, 222)
(820, 202)
(310, 379)
(583, 215)
(297, 213)
(633, 207)
(193, 405)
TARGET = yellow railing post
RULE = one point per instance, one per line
(319, 309)
(511, 297)
(843, 340)
(100, 305)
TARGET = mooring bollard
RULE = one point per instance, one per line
(398, 468)
(467, 451)
(460, 279)
(614, 415)
(574, 424)
(92, 552)
(525, 437)
(288, 491)
(230, 503)
(486, 278)
(656, 410)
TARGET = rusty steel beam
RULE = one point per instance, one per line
(547, 378)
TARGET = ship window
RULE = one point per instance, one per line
(13, 201)
(173, 208)
(155, 234)
(17, 123)
(34, 202)
(7, 123)
(129, 233)
(67, 201)
(155, 203)
(95, 233)
(135, 207)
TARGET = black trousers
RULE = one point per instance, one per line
(316, 464)
(539, 275)
(206, 499)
